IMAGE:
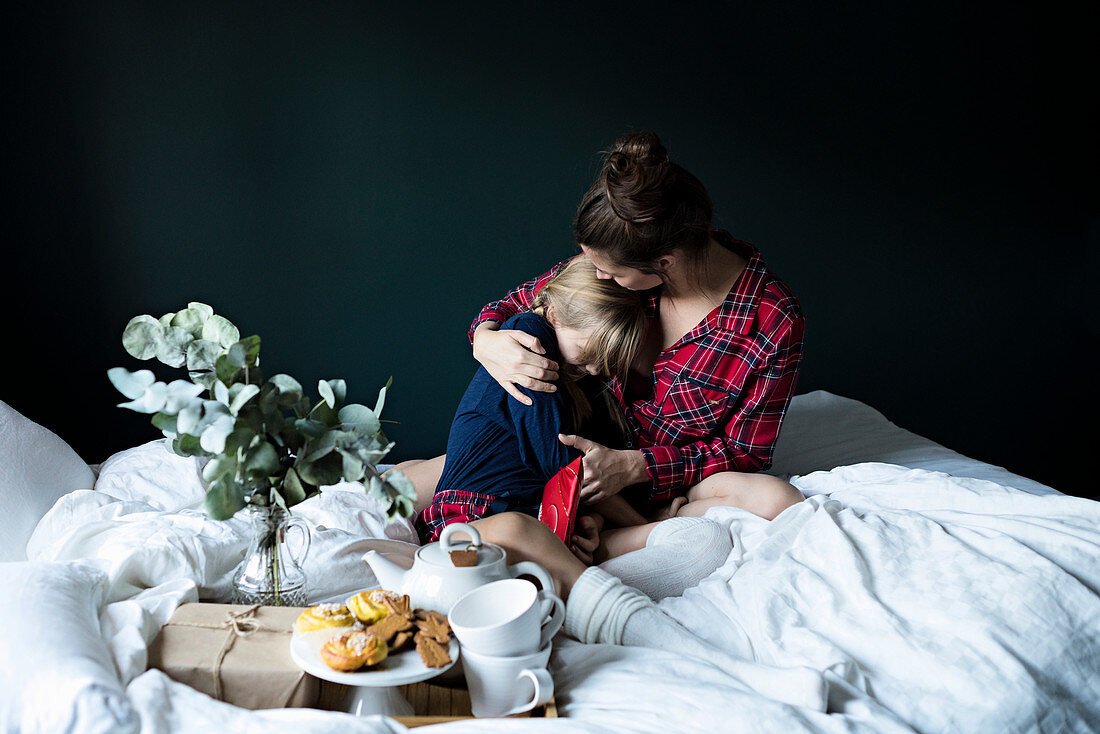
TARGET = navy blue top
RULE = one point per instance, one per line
(500, 447)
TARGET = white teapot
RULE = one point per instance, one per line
(434, 582)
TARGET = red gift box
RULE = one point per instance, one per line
(560, 499)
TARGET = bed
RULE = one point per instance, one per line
(915, 589)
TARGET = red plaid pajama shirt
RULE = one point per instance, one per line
(721, 391)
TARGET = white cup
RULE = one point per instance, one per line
(506, 618)
(502, 686)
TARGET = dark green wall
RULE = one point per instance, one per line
(352, 181)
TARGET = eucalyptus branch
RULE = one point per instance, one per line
(265, 437)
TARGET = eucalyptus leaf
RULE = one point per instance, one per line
(375, 488)
(151, 401)
(251, 416)
(321, 447)
(131, 384)
(206, 379)
(323, 472)
(401, 485)
(326, 393)
(214, 435)
(323, 413)
(401, 507)
(351, 466)
(290, 390)
(239, 441)
(287, 384)
(246, 393)
(212, 410)
(218, 467)
(374, 451)
(224, 499)
(172, 346)
(189, 446)
(294, 491)
(360, 418)
(338, 391)
(310, 428)
(166, 422)
(190, 320)
(245, 352)
(291, 438)
(220, 330)
(261, 460)
(382, 397)
(202, 353)
(180, 395)
(202, 308)
(141, 337)
(187, 421)
(226, 371)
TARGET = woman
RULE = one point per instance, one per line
(706, 395)
(501, 453)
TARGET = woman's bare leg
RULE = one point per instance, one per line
(528, 539)
(760, 494)
(424, 474)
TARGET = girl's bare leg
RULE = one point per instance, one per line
(617, 541)
(528, 539)
(424, 474)
(760, 494)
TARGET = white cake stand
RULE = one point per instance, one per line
(372, 691)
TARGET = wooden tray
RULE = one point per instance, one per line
(432, 703)
(437, 704)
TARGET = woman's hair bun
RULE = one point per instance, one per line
(634, 176)
(637, 150)
(643, 206)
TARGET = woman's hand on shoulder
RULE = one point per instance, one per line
(514, 358)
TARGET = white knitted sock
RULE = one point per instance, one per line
(599, 606)
(680, 552)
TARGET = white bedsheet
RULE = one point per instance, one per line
(931, 602)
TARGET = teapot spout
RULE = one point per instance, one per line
(389, 574)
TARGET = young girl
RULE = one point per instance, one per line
(500, 452)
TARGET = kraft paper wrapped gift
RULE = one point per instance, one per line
(235, 653)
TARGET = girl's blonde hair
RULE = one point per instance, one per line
(612, 314)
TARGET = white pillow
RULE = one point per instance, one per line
(154, 474)
(56, 671)
(823, 431)
(36, 467)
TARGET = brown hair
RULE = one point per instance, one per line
(613, 315)
(643, 206)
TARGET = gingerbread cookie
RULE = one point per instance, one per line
(431, 652)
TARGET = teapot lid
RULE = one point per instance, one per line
(434, 554)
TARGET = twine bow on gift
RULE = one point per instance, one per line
(237, 625)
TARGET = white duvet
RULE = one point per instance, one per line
(922, 602)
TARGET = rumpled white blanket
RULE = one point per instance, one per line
(925, 601)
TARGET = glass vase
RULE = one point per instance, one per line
(271, 573)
